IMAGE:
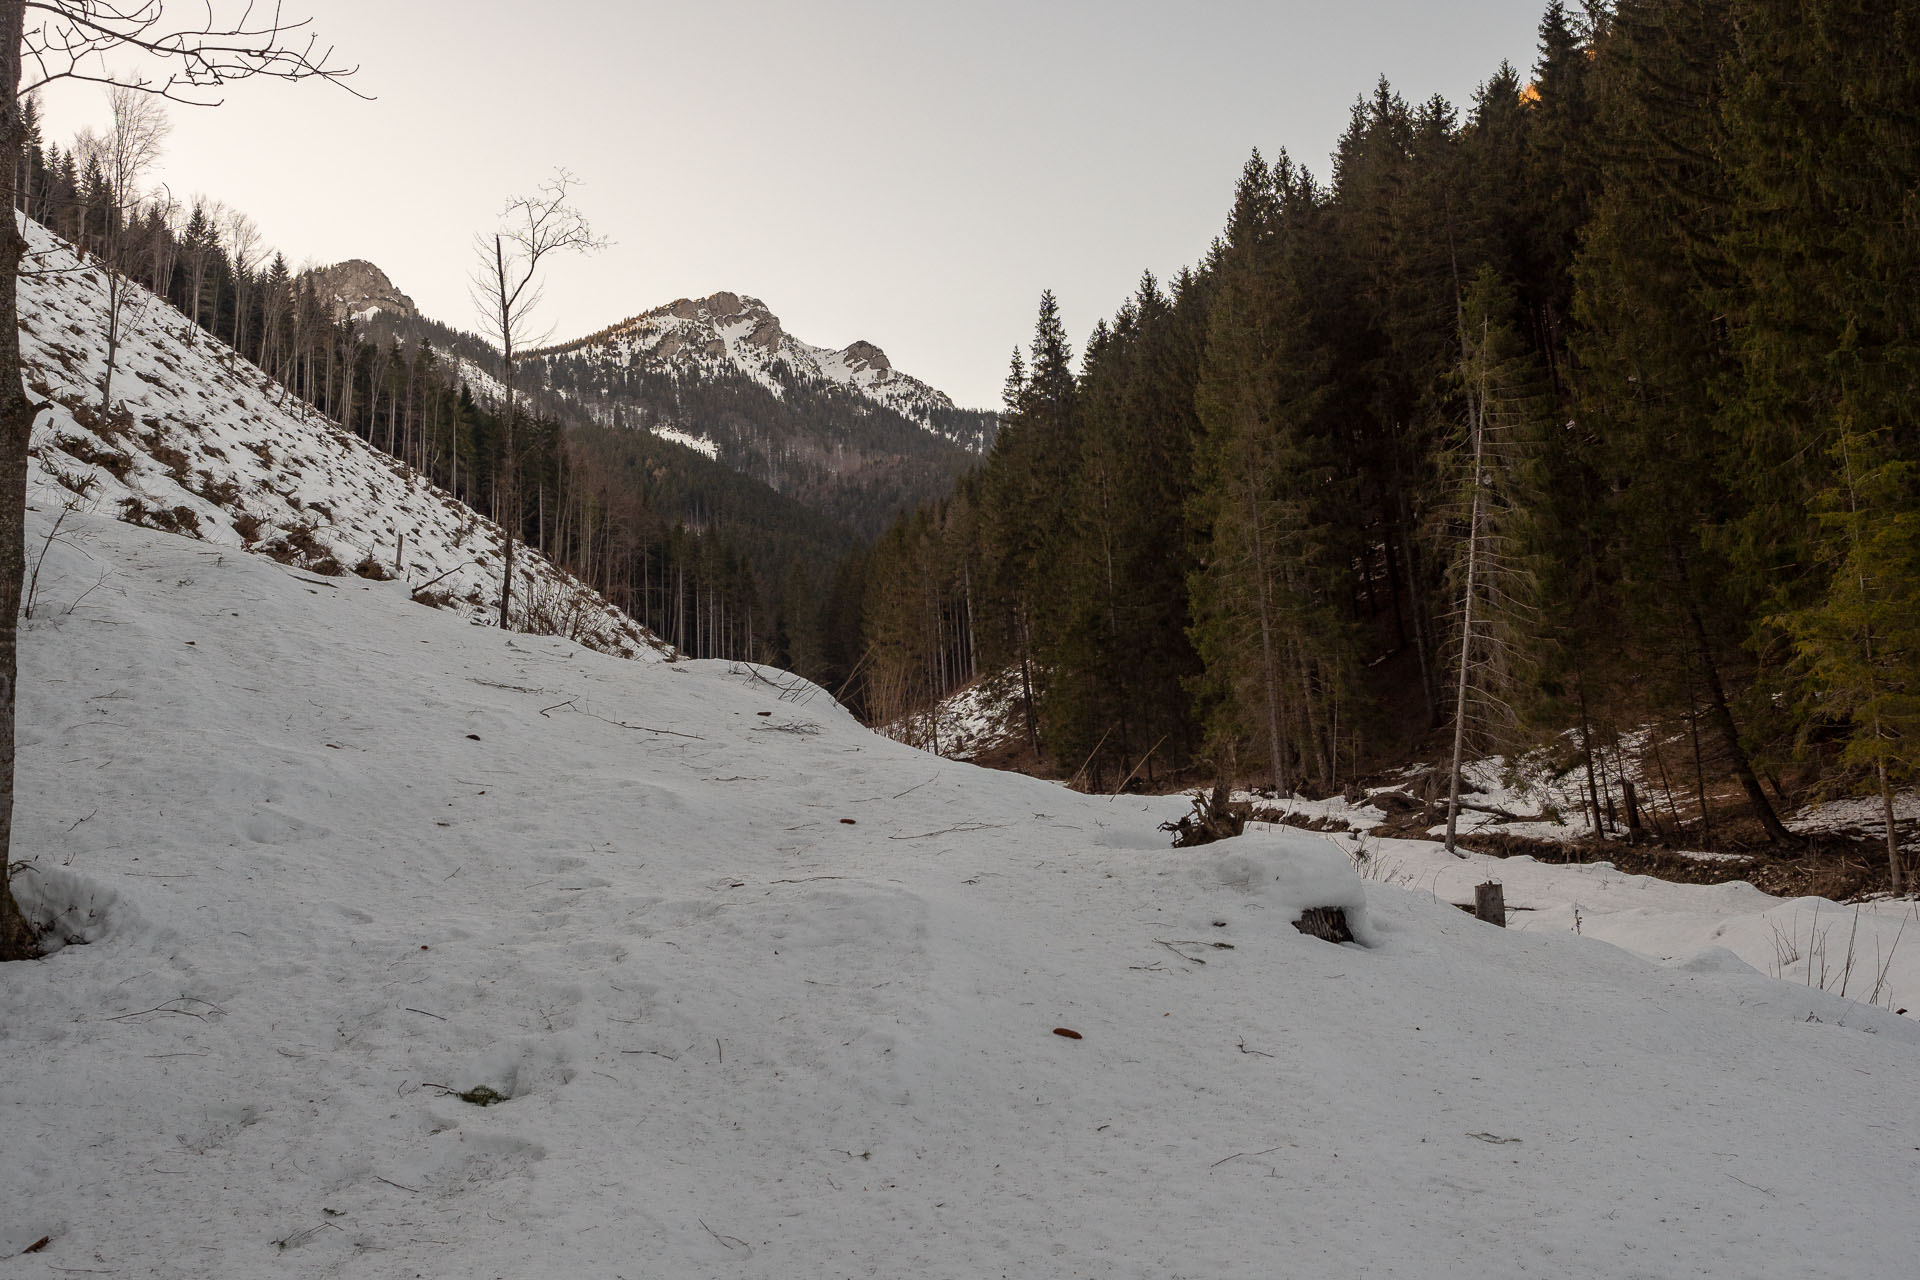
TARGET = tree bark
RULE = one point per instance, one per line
(17, 412)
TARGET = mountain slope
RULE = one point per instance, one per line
(729, 335)
(842, 431)
(768, 995)
(208, 446)
(839, 431)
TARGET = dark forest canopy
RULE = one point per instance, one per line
(1661, 287)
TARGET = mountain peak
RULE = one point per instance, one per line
(356, 287)
(862, 356)
(736, 334)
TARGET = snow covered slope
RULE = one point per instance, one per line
(768, 995)
(730, 333)
(209, 446)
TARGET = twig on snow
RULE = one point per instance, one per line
(910, 790)
(570, 705)
(962, 829)
(1243, 1155)
(728, 1241)
(1183, 955)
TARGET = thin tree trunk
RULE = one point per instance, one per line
(113, 340)
(1269, 668)
(511, 514)
(1586, 750)
(1722, 716)
(1466, 620)
(1895, 868)
(17, 412)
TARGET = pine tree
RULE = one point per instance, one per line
(1823, 145)
(1276, 657)
(1859, 643)
(1023, 522)
(1652, 345)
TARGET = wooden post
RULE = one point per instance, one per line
(1634, 833)
(1490, 903)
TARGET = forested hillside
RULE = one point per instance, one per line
(709, 558)
(1589, 406)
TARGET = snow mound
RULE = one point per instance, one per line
(67, 909)
(1288, 874)
(767, 994)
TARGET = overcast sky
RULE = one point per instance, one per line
(908, 172)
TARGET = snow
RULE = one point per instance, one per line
(1866, 951)
(212, 446)
(697, 443)
(729, 333)
(974, 718)
(768, 994)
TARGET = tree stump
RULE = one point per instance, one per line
(1329, 924)
(1490, 903)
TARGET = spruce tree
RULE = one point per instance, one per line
(1652, 345)
(1277, 657)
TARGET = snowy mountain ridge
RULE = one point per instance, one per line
(731, 333)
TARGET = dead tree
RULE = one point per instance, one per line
(125, 154)
(506, 290)
(183, 53)
(1491, 571)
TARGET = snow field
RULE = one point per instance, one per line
(350, 855)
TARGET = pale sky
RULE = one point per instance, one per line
(908, 173)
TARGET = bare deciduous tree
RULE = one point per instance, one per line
(244, 250)
(182, 52)
(506, 290)
(125, 153)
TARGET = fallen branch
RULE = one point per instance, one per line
(1137, 768)
(1183, 955)
(1243, 1155)
(415, 591)
(728, 1241)
(1075, 779)
(571, 705)
(962, 829)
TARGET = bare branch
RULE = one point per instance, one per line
(195, 57)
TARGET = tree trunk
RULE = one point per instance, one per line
(510, 515)
(17, 412)
(113, 341)
(1895, 867)
(1269, 668)
(1722, 716)
(1466, 635)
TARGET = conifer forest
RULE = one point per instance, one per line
(1591, 404)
